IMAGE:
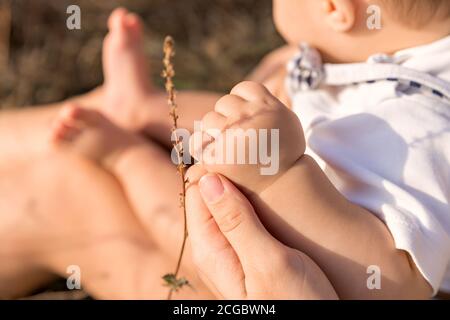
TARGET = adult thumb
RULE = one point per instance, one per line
(236, 219)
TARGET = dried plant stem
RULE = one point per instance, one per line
(168, 73)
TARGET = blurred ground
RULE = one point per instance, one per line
(41, 61)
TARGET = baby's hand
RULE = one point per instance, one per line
(250, 137)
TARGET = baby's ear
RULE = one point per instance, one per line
(340, 15)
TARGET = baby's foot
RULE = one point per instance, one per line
(251, 138)
(91, 134)
(127, 84)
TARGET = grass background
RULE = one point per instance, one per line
(41, 61)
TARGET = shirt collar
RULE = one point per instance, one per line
(425, 66)
(432, 58)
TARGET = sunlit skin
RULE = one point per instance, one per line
(397, 271)
(338, 29)
(335, 27)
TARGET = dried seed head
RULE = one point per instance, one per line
(172, 280)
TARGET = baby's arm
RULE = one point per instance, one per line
(301, 207)
(304, 210)
(192, 106)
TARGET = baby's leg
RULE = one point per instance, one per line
(70, 212)
(24, 132)
(131, 101)
(145, 171)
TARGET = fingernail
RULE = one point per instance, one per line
(211, 188)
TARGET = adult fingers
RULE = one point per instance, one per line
(237, 221)
(215, 259)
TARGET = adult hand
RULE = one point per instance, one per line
(236, 256)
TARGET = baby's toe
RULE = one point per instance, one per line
(68, 114)
(63, 132)
(134, 26)
(88, 117)
(116, 19)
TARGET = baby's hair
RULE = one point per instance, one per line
(416, 13)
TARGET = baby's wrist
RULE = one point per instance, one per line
(287, 170)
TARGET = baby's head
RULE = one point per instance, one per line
(339, 28)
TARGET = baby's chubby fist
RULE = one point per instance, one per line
(250, 137)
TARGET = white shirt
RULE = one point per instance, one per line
(386, 146)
